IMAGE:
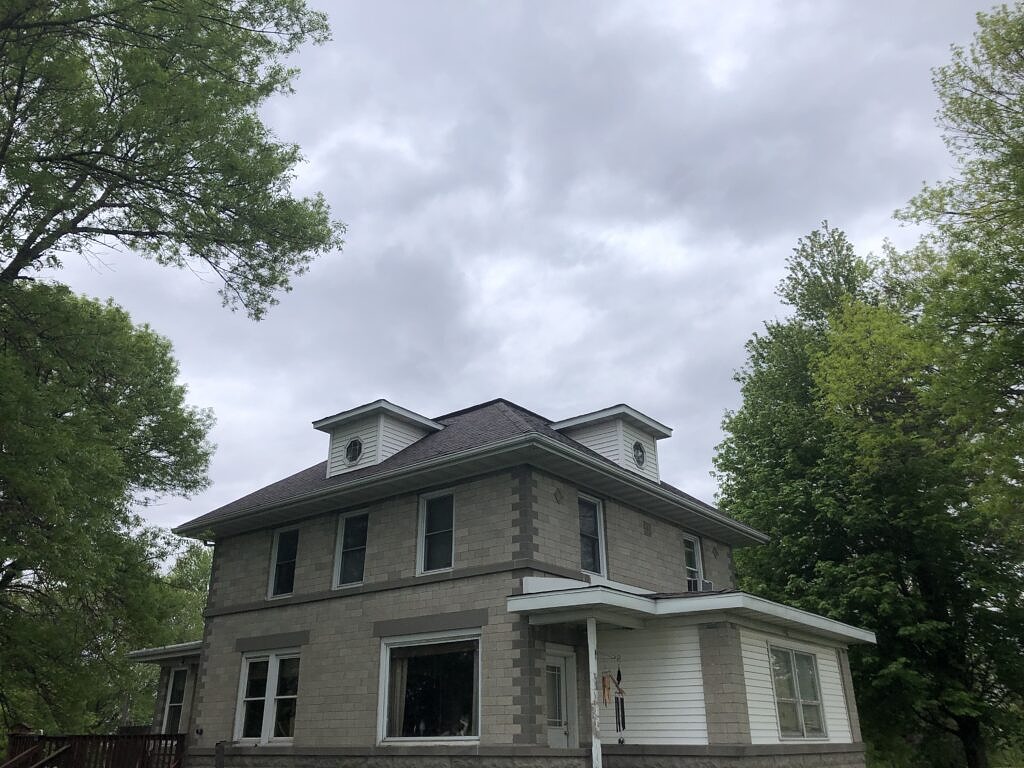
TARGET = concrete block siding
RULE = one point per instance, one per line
(642, 550)
(339, 667)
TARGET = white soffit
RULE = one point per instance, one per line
(622, 411)
(330, 423)
(641, 606)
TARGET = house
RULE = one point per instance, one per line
(493, 588)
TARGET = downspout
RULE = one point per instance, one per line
(595, 694)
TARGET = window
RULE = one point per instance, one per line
(437, 533)
(175, 700)
(282, 574)
(350, 556)
(692, 564)
(432, 687)
(591, 536)
(797, 694)
(268, 695)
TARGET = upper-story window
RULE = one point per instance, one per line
(350, 555)
(797, 694)
(692, 563)
(282, 562)
(436, 550)
(591, 536)
(268, 696)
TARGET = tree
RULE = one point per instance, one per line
(869, 486)
(135, 122)
(92, 424)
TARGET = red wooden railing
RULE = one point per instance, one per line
(151, 750)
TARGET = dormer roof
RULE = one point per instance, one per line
(622, 412)
(377, 407)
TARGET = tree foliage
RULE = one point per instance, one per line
(135, 122)
(92, 423)
(850, 451)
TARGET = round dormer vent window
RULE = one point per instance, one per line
(639, 454)
(353, 450)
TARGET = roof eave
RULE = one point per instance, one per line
(328, 423)
(528, 448)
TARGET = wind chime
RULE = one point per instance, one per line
(609, 682)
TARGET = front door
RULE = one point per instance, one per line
(560, 691)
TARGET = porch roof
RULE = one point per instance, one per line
(616, 606)
(167, 652)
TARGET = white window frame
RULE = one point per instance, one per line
(270, 695)
(601, 547)
(340, 543)
(699, 552)
(421, 533)
(167, 698)
(273, 563)
(799, 701)
(384, 683)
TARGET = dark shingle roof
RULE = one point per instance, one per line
(474, 427)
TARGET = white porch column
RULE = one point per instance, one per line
(595, 694)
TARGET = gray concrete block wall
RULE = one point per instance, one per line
(483, 536)
(725, 690)
(339, 668)
(652, 561)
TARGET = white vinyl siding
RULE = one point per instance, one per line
(662, 679)
(367, 431)
(630, 436)
(603, 438)
(396, 435)
(757, 674)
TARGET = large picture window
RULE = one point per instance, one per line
(350, 558)
(797, 693)
(282, 562)
(436, 550)
(268, 697)
(432, 689)
(591, 536)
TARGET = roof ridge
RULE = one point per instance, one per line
(495, 401)
(514, 417)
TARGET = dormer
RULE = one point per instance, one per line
(369, 434)
(620, 434)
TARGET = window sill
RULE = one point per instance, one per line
(440, 741)
(436, 571)
(281, 596)
(350, 585)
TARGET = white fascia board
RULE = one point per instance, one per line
(622, 411)
(329, 423)
(604, 598)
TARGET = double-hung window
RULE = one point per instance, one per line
(591, 536)
(431, 687)
(350, 555)
(268, 696)
(692, 564)
(175, 700)
(282, 562)
(797, 693)
(436, 550)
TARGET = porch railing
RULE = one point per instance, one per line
(150, 750)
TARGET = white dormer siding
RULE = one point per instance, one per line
(614, 433)
(382, 428)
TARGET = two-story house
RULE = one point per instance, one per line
(491, 587)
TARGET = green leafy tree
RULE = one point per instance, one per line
(135, 123)
(93, 423)
(869, 486)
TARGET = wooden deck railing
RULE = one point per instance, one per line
(156, 750)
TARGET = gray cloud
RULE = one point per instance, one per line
(570, 205)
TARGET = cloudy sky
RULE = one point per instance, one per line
(569, 205)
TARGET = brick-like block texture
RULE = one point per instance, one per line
(725, 690)
(642, 550)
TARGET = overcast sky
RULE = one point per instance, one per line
(569, 205)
